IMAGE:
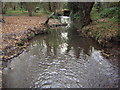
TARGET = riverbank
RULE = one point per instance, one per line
(61, 59)
(17, 31)
(106, 33)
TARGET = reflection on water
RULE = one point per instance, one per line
(65, 19)
(61, 59)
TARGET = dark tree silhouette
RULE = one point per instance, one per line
(83, 8)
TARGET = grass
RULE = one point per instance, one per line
(76, 16)
(94, 14)
(110, 14)
(22, 12)
(17, 12)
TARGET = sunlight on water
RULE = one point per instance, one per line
(64, 35)
(65, 19)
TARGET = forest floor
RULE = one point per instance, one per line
(21, 23)
(17, 30)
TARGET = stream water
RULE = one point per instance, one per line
(61, 59)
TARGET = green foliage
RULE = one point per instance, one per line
(105, 23)
(45, 11)
(98, 36)
(17, 12)
(94, 14)
(47, 30)
(109, 12)
(32, 34)
(54, 17)
(76, 16)
(23, 12)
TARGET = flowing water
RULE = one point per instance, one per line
(61, 59)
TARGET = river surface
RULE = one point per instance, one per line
(61, 59)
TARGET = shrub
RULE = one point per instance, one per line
(76, 16)
(109, 12)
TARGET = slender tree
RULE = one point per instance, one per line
(30, 6)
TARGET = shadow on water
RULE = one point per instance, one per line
(61, 59)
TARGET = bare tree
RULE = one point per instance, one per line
(30, 6)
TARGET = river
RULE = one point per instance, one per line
(61, 59)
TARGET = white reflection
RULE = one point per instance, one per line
(64, 35)
(65, 19)
(63, 48)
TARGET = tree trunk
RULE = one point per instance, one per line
(84, 9)
(88, 8)
(14, 8)
(30, 12)
(49, 4)
(4, 8)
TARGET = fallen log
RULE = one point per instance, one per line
(46, 22)
(53, 25)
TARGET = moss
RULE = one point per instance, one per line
(103, 31)
(24, 39)
(32, 34)
(22, 12)
(21, 43)
(98, 36)
(46, 30)
(84, 29)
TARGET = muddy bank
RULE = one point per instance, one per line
(106, 33)
(16, 34)
(15, 43)
(17, 31)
